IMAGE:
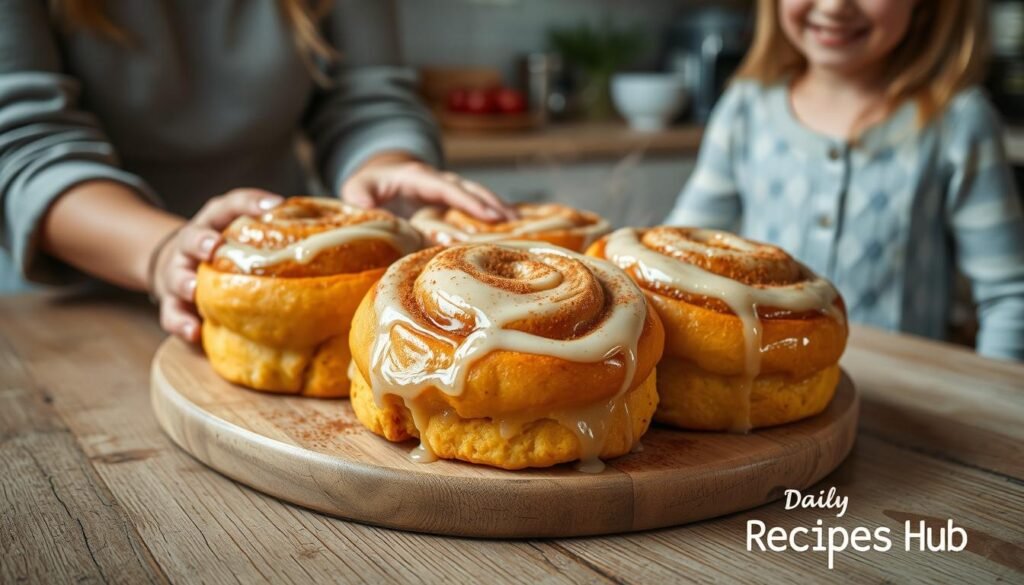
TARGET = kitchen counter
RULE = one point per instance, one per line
(567, 143)
(574, 142)
(93, 490)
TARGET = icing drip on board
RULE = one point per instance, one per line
(810, 293)
(548, 280)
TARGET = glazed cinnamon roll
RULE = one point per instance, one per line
(549, 222)
(753, 337)
(278, 298)
(519, 354)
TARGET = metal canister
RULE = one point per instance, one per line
(541, 75)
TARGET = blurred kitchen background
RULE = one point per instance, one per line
(600, 103)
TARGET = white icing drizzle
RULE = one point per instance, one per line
(429, 220)
(396, 232)
(352, 370)
(591, 425)
(625, 249)
(614, 340)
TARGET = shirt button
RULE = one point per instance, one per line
(833, 153)
(825, 220)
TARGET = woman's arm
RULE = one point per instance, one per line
(104, 229)
(987, 225)
(49, 148)
(63, 199)
(711, 196)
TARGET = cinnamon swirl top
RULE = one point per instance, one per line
(535, 221)
(440, 311)
(308, 236)
(721, 271)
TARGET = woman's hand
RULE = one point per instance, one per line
(385, 177)
(174, 267)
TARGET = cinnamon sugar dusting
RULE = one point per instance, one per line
(297, 219)
(311, 427)
(454, 226)
(529, 213)
(724, 254)
(758, 265)
(308, 236)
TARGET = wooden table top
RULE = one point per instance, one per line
(93, 490)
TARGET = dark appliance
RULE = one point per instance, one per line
(1006, 72)
(706, 44)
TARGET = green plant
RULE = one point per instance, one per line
(600, 50)
(597, 53)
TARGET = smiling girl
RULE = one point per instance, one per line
(853, 136)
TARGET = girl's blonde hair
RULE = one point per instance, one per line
(302, 17)
(944, 51)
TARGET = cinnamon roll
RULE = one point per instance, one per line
(278, 298)
(753, 337)
(514, 355)
(549, 222)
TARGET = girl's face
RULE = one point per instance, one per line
(845, 36)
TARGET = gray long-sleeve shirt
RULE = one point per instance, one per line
(205, 97)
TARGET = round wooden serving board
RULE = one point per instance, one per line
(314, 453)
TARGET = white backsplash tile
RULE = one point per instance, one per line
(495, 32)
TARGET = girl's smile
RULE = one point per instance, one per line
(831, 35)
(845, 35)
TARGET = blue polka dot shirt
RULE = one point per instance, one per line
(889, 219)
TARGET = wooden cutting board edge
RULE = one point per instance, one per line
(501, 504)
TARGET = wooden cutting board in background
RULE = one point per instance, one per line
(314, 453)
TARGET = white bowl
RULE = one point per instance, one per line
(648, 101)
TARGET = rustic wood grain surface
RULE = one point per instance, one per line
(91, 490)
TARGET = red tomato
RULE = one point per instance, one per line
(510, 101)
(458, 100)
(479, 101)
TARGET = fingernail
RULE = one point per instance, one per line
(492, 213)
(189, 330)
(190, 288)
(207, 243)
(269, 203)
